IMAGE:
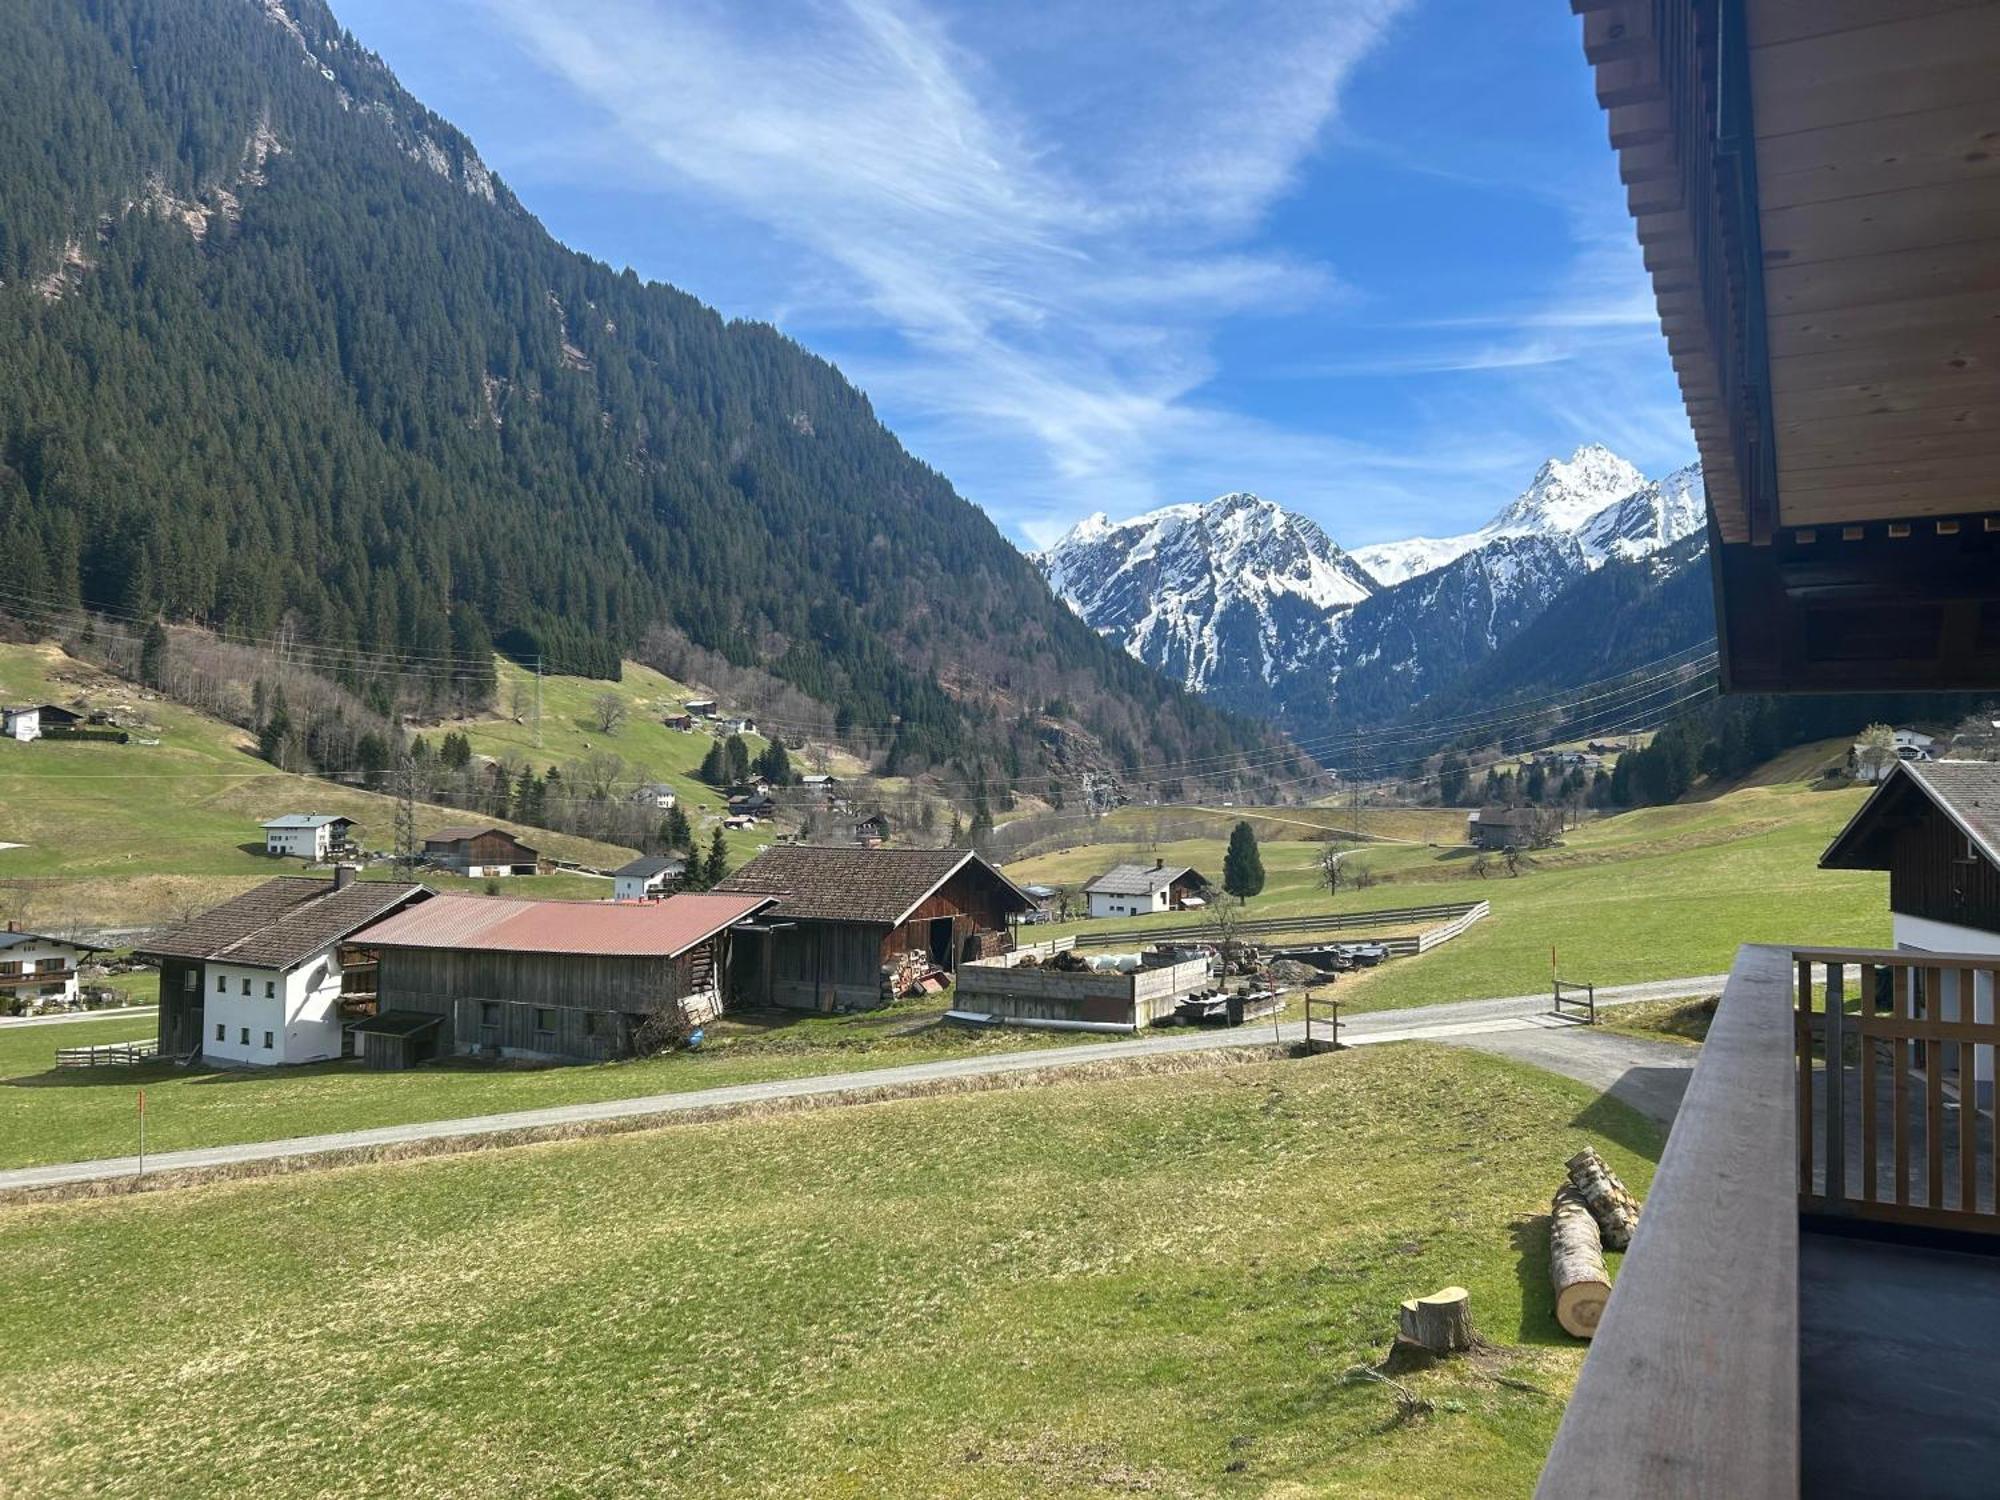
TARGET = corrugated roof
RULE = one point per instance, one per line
(283, 922)
(1966, 791)
(646, 866)
(305, 820)
(1139, 880)
(845, 884)
(657, 929)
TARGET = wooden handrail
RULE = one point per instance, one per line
(1692, 1383)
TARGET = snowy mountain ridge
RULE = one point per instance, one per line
(1260, 609)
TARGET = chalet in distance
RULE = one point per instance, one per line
(479, 852)
(647, 877)
(30, 721)
(1134, 890)
(1499, 828)
(264, 979)
(841, 913)
(37, 972)
(565, 981)
(309, 836)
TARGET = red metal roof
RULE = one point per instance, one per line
(654, 929)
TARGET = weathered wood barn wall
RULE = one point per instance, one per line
(562, 1005)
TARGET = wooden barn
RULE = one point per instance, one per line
(479, 852)
(841, 913)
(555, 980)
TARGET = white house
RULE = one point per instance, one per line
(656, 794)
(1908, 744)
(21, 723)
(647, 877)
(36, 972)
(310, 836)
(1134, 890)
(1935, 827)
(260, 980)
(726, 727)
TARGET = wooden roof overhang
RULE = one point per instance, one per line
(1816, 189)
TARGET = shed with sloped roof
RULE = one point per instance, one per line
(843, 912)
(573, 981)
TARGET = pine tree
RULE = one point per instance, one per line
(774, 765)
(675, 832)
(1243, 865)
(153, 656)
(714, 766)
(736, 760)
(717, 867)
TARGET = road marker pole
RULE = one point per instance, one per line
(142, 1132)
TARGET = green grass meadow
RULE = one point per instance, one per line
(1158, 1284)
(50, 1115)
(1656, 893)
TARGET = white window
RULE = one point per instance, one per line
(189, 979)
(246, 990)
(221, 985)
(245, 1035)
(270, 989)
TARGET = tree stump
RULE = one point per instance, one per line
(1576, 1264)
(1614, 1208)
(1441, 1322)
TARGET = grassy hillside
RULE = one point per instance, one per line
(998, 1294)
(122, 834)
(1655, 893)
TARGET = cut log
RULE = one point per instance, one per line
(1441, 1322)
(1614, 1208)
(1576, 1264)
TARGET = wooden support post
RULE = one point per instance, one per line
(1835, 1080)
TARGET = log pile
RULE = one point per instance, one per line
(911, 974)
(1576, 1264)
(1610, 1203)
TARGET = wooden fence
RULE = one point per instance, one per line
(1894, 1053)
(1576, 998)
(107, 1055)
(1453, 918)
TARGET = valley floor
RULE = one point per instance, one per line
(1168, 1283)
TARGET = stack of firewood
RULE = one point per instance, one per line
(911, 973)
(1593, 1210)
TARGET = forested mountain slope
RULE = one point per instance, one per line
(281, 354)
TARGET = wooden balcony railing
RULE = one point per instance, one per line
(1840, 1082)
(1895, 1053)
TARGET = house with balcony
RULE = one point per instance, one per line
(1811, 1304)
(272, 976)
(38, 972)
(312, 837)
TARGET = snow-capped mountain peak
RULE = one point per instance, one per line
(1257, 607)
(1565, 496)
(1196, 584)
(1567, 493)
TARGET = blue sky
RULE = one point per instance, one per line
(1366, 257)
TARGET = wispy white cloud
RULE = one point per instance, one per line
(1050, 239)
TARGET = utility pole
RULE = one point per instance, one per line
(406, 812)
(538, 703)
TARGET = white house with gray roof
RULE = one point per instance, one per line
(309, 836)
(1134, 890)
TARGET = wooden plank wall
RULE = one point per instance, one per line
(1931, 876)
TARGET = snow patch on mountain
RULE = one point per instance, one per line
(1198, 589)
(1260, 609)
(1564, 497)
